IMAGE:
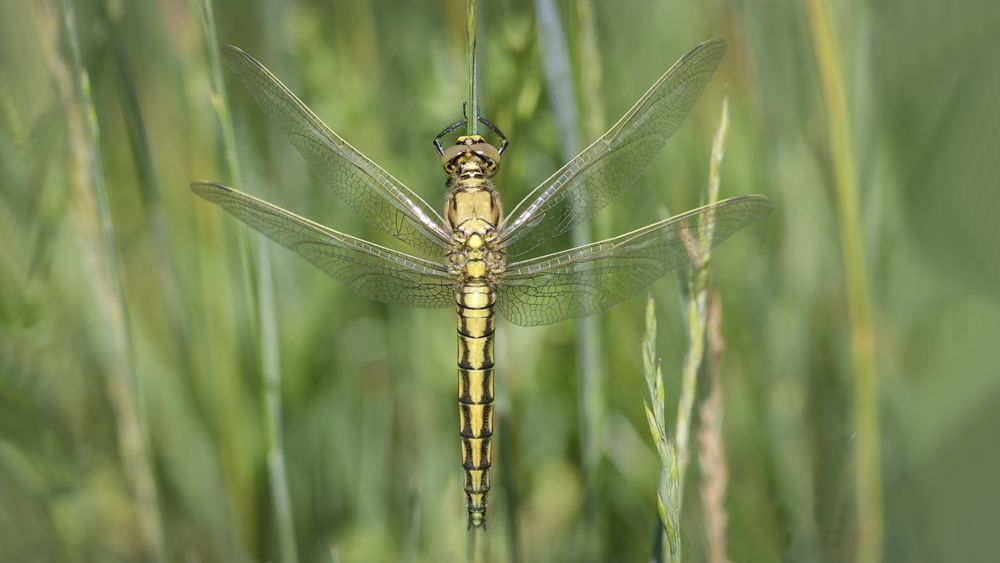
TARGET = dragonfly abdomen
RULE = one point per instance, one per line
(476, 309)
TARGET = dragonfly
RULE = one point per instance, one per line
(476, 258)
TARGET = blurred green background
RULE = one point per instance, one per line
(171, 367)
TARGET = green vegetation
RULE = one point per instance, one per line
(173, 388)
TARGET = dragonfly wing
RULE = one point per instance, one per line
(609, 166)
(590, 279)
(368, 189)
(369, 269)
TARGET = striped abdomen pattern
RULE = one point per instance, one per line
(476, 307)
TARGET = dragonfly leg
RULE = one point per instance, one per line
(489, 125)
(503, 138)
(448, 129)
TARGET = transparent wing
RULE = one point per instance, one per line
(371, 270)
(610, 165)
(590, 279)
(368, 189)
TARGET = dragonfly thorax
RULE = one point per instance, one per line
(473, 212)
(476, 259)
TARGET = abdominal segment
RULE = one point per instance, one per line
(475, 392)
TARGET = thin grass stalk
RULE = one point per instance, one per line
(562, 97)
(270, 362)
(866, 393)
(510, 493)
(150, 189)
(123, 381)
(711, 445)
(696, 296)
(674, 453)
(223, 367)
(666, 545)
(474, 548)
(266, 326)
(220, 367)
(218, 93)
(472, 92)
(590, 72)
(588, 353)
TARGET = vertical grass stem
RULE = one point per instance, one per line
(696, 296)
(866, 401)
(560, 83)
(674, 453)
(124, 382)
(667, 492)
(260, 278)
(711, 445)
(472, 94)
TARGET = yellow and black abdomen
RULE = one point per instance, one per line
(476, 308)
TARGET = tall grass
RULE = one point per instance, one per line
(674, 451)
(560, 82)
(260, 280)
(668, 493)
(712, 462)
(366, 389)
(125, 385)
(472, 91)
(866, 402)
(695, 294)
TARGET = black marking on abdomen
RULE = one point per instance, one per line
(476, 312)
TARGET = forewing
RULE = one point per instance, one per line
(590, 279)
(612, 163)
(369, 269)
(368, 189)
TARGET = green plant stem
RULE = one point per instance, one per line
(590, 72)
(654, 403)
(124, 382)
(475, 546)
(505, 453)
(562, 97)
(696, 298)
(711, 445)
(472, 94)
(866, 400)
(260, 277)
(674, 453)
(221, 365)
(588, 329)
(149, 188)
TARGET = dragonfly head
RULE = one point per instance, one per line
(471, 156)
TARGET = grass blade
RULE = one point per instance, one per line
(696, 296)
(472, 92)
(562, 97)
(666, 544)
(124, 383)
(866, 396)
(711, 445)
(265, 328)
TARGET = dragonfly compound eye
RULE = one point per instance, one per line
(451, 156)
(488, 154)
(463, 153)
